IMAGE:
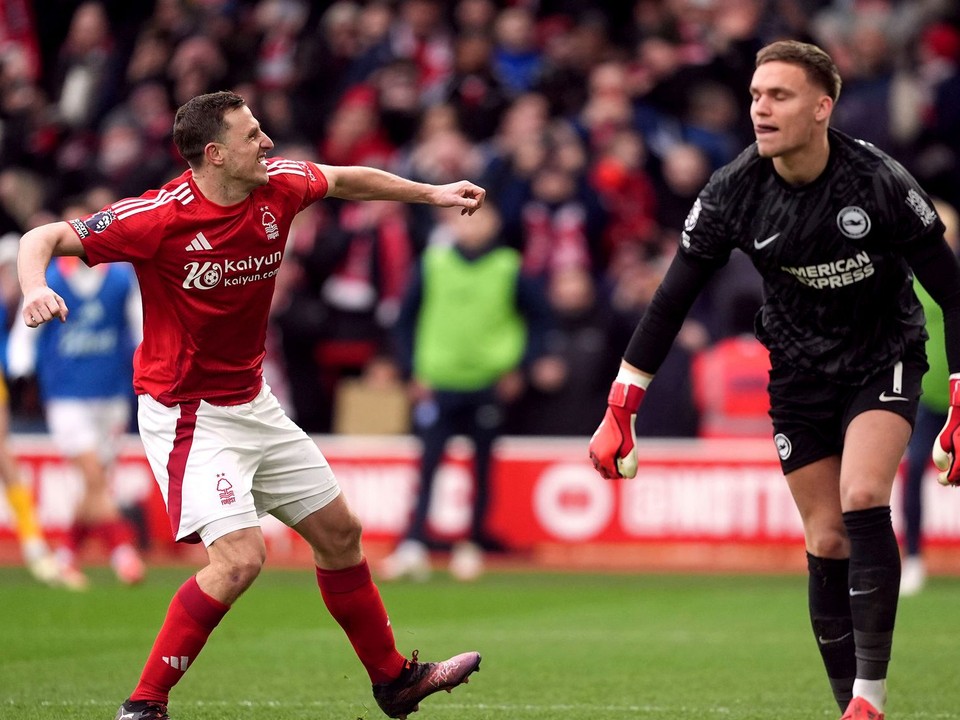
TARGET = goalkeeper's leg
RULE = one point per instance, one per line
(874, 445)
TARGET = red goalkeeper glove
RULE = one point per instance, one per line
(944, 448)
(613, 447)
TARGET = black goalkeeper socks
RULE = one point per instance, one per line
(829, 601)
(874, 587)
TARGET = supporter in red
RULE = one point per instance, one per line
(730, 382)
(354, 133)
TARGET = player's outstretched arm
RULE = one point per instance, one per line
(613, 447)
(37, 247)
(945, 446)
(367, 183)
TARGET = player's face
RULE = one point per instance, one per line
(789, 112)
(244, 148)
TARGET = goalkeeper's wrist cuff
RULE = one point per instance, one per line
(631, 377)
(955, 389)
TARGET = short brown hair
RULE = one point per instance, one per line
(200, 121)
(819, 66)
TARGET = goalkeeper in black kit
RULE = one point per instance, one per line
(837, 230)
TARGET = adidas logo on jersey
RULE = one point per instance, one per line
(199, 243)
(177, 663)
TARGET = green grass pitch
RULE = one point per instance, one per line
(576, 647)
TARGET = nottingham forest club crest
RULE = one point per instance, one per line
(225, 490)
(269, 222)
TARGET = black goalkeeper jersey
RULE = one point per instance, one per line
(838, 293)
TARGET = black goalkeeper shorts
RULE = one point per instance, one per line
(811, 415)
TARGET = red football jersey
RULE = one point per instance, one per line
(207, 274)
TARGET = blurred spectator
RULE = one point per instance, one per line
(27, 130)
(21, 197)
(81, 74)
(419, 33)
(470, 323)
(148, 107)
(730, 380)
(516, 150)
(125, 163)
(151, 55)
(555, 217)
(659, 84)
(560, 224)
(569, 50)
(626, 190)
(474, 89)
(198, 65)
(710, 122)
(352, 273)
(608, 106)
(470, 16)
(937, 159)
(684, 170)
(517, 59)
(277, 111)
(866, 111)
(399, 100)
(566, 395)
(280, 23)
(327, 65)
(355, 135)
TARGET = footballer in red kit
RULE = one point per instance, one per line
(206, 249)
(207, 278)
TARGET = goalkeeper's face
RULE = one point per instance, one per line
(789, 112)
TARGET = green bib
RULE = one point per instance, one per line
(469, 332)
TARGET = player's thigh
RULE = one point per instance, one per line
(816, 492)
(333, 532)
(873, 449)
(877, 425)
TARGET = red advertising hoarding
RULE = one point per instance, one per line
(545, 493)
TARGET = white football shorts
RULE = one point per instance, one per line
(82, 425)
(221, 468)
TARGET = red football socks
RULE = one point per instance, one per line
(191, 618)
(354, 601)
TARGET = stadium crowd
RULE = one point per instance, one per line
(593, 126)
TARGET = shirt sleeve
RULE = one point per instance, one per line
(706, 236)
(317, 184)
(123, 231)
(658, 328)
(938, 271)
(912, 217)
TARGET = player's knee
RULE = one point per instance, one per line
(339, 544)
(241, 565)
(862, 497)
(345, 538)
(830, 544)
(243, 570)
